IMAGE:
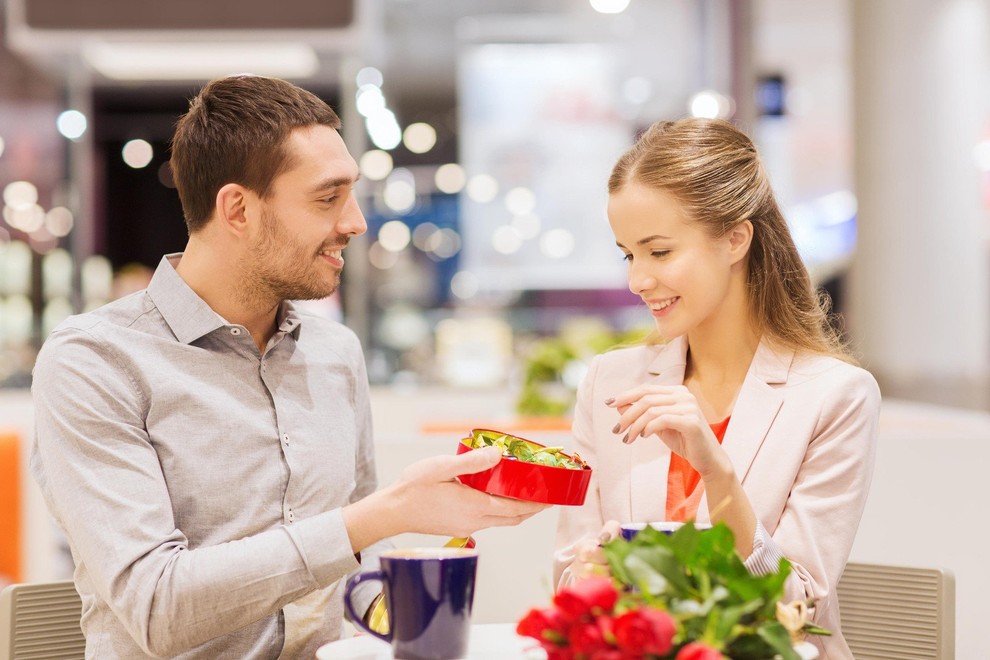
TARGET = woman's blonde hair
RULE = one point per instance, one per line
(714, 170)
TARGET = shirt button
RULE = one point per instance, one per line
(285, 439)
(235, 331)
(292, 517)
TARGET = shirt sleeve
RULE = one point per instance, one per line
(366, 480)
(766, 556)
(102, 480)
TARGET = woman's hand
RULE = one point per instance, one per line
(671, 413)
(589, 559)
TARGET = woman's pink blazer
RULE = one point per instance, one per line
(802, 438)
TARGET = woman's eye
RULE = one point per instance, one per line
(627, 257)
(659, 253)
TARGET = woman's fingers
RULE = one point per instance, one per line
(610, 530)
(638, 427)
(632, 395)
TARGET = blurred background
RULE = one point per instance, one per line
(485, 131)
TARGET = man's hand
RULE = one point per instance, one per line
(428, 499)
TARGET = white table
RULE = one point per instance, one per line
(489, 641)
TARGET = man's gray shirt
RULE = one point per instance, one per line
(199, 481)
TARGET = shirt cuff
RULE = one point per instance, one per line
(324, 546)
(766, 554)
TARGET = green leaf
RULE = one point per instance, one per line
(729, 618)
(647, 578)
(779, 640)
(663, 561)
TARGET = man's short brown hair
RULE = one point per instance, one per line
(234, 132)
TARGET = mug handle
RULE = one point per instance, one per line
(358, 619)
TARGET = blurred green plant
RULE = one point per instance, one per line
(553, 366)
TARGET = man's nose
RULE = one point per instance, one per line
(352, 221)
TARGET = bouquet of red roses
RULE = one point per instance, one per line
(585, 623)
(686, 596)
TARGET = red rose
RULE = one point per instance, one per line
(548, 624)
(698, 651)
(585, 596)
(607, 625)
(558, 653)
(645, 630)
(586, 638)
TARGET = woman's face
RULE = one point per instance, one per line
(681, 273)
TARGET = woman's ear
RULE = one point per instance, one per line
(231, 208)
(740, 237)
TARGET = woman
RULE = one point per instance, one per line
(747, 411)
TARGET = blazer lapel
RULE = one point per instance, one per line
(650, 459)
(753, 414)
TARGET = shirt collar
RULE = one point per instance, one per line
(188, 315)
(288, 319)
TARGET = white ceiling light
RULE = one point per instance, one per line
(194, 61)
(610, 6)
(710, 104)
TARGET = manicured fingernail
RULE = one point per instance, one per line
(605, 537)
(609, 401)
(615, 429)
(626, 439)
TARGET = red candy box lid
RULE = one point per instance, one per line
(528, 470)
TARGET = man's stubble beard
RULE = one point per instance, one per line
(279, 272)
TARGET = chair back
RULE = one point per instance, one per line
(898, 613)
(40, 621)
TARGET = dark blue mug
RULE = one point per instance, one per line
(429, 593)
(629, 530)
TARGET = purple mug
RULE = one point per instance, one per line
(429, 593)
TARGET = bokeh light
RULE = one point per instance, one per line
(450, 178)
(394, 235)
(71, 124)
(482, 188)
(610, 6)
(419, 137)
(137, 153)
(376, 164)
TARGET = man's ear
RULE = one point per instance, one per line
(232, 208)
(740, 238)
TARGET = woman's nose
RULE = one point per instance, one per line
(640, 281)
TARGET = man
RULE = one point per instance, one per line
(208, 450)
